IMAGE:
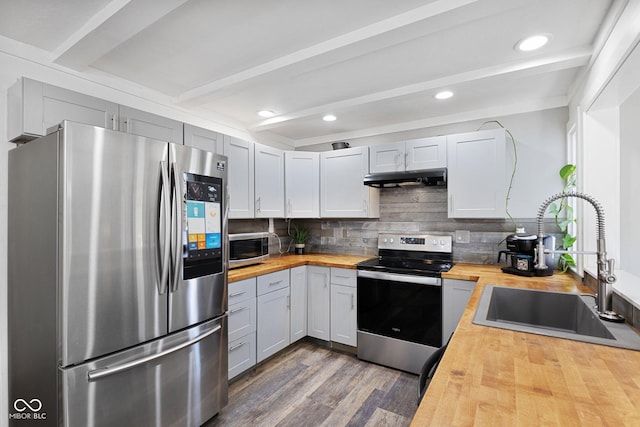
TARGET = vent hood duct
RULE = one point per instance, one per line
(398, 179)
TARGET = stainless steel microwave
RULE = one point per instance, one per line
(248, 248)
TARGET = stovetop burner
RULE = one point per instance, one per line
(422, 255)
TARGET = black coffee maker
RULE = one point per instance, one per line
(520, 253)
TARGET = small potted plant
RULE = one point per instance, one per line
(300, 235)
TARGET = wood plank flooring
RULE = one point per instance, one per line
(311, 385)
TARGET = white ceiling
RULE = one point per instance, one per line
(375, 64)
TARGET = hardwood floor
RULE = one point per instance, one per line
(310, 385)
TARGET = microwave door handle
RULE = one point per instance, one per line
(164, 247)
(176, 216)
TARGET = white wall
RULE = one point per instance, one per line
(629, 180)
(601, 180)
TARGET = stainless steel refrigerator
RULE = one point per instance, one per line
(117, 281)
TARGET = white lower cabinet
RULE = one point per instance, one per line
(344, 306)
(273, 313)
(242, 326)
(319, 298)
(298, 299)
(242, 354)
(455, 297)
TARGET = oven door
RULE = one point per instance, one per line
(404, 307)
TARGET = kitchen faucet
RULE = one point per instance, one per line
(606, 278)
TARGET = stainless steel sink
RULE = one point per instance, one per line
(554, 314)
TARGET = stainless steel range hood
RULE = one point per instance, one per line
(397, 179)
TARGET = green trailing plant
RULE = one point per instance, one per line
(300, 235)
(564, 216)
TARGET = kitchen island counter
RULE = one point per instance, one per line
(498, 377)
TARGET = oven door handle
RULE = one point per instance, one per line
(405, 278)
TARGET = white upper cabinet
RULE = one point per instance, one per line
(204, 139)
(141, 123)
(476, 174)
(302, 184)
(426, 153)
(240, 176)
(269, 182)
(33, 107)
(342, 192)
(415, 154)
(387, 157)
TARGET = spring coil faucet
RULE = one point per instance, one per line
(606, 278)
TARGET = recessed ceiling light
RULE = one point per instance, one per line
(445, 94)
(266, 113)
(329, 118)
(533, 42)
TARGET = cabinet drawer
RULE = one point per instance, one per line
(242, 290)
(273, 281)
(343, 276)
(242, 354)
(242, 319)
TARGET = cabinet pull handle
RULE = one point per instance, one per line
(235, 310)
(288, 302)
(352, 304)
(237, 294)
(258, 204)
(275, 283)
(237, 346)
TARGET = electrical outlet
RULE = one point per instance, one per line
(463, 236)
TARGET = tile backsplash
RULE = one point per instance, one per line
(402, 210)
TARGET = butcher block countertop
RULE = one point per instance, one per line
(276, 263)
(497, 377)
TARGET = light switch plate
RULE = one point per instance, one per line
(463, 236)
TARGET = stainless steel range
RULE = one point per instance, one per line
(400, 300)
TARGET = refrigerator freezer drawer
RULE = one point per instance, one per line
(180, 380)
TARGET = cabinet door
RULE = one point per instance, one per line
(298, 280)
(242, 354)
(302, 184)
(387, 157)
(240, 175)
(33, 107)
(273, 323)
(204, 139)
(150, 125)
(269, 182)
(342, 192)
(343, 315)
(476, 174)
(426, 153)
(455, 297)
(242, 319)
(318, 298)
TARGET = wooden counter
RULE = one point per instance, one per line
(276, 263)
(497, 377)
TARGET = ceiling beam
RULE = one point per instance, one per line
(464, 116)
(564, 60)
(116, 23)
(435, 8)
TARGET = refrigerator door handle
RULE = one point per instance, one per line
(165, 253)
(176, 227)
(105, 372)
